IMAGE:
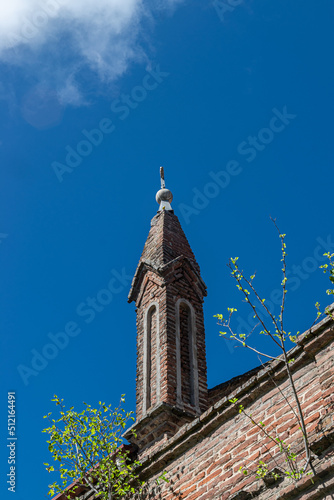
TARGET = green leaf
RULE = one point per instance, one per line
(96, 436)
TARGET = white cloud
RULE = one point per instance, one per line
(62, 42)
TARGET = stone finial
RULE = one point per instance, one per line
(164, 196)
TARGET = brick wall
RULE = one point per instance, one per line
(202, 460)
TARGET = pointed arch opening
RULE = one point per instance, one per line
(186, 354)
(151, 358)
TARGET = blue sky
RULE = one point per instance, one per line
(233, 98)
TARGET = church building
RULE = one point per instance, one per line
(194, 435)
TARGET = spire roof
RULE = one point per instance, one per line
(166, 241)
(166, 244)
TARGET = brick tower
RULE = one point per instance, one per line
(171, 384)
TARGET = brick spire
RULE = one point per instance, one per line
(171, 364)
(166, 242)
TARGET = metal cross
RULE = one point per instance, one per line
(162, 177)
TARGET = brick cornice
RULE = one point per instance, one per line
(158, 417)
(166, 275)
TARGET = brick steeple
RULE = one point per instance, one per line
(171, 385)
